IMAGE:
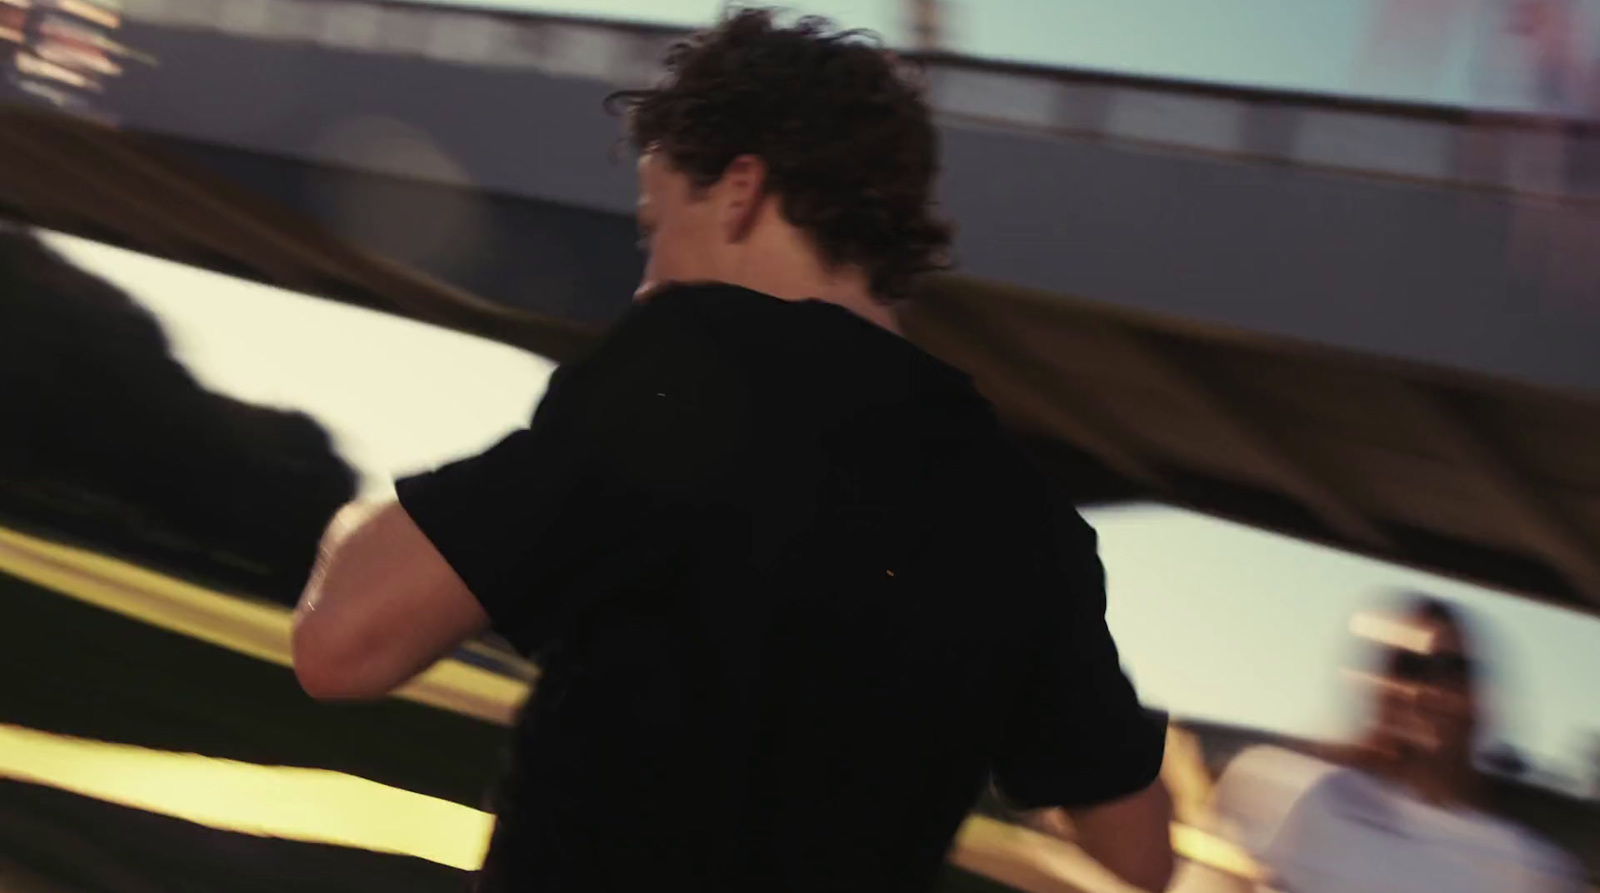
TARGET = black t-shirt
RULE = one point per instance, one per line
(796, 598)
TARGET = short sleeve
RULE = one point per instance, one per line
(610, 449)
(1077, 735)
(1257, 793)
(496, 517)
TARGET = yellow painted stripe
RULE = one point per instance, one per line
(258, 629)
(319, 806)
(309, 805)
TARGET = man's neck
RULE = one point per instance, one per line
(847, 289)
(1442, 781)
(870, 309)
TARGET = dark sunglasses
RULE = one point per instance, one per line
(1443, 667)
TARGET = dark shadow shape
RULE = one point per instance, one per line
(108, 441)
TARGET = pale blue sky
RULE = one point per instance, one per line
(1319, 46)
(1215, 620)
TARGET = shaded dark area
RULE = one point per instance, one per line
(108, 440)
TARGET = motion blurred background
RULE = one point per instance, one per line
(1301, 300)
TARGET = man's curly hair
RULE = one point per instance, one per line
(840, 122)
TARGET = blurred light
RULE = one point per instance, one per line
(63, 55)
(1385, 630)
(63, 29)
(35, 66)
(77, 56)
(90, 12)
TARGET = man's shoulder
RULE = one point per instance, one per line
(673, 307)
(702, 302)
(1262, 786)
(1512, 842)
(704, 325)
(665, 331)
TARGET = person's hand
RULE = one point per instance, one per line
(649, 289)
(347, 519)
(1052, 822)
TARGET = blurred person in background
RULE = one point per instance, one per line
(794, 593)
(1403, 812)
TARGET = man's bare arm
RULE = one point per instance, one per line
(1131, 836)
(382, 606)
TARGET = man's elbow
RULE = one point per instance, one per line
(1154, 873)
(1132, 837)
(330, 668)
(1151, 870)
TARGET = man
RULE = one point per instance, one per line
(1406, 816)
(794, 594)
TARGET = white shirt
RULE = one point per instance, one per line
(1326, 829)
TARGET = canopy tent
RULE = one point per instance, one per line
(1479, 478)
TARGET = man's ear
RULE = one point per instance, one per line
(741, 192)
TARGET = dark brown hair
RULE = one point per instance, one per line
(839, 121)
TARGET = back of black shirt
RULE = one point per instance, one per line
(796, 598)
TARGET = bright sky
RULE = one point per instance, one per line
(1215, 620)
(1319, 46)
